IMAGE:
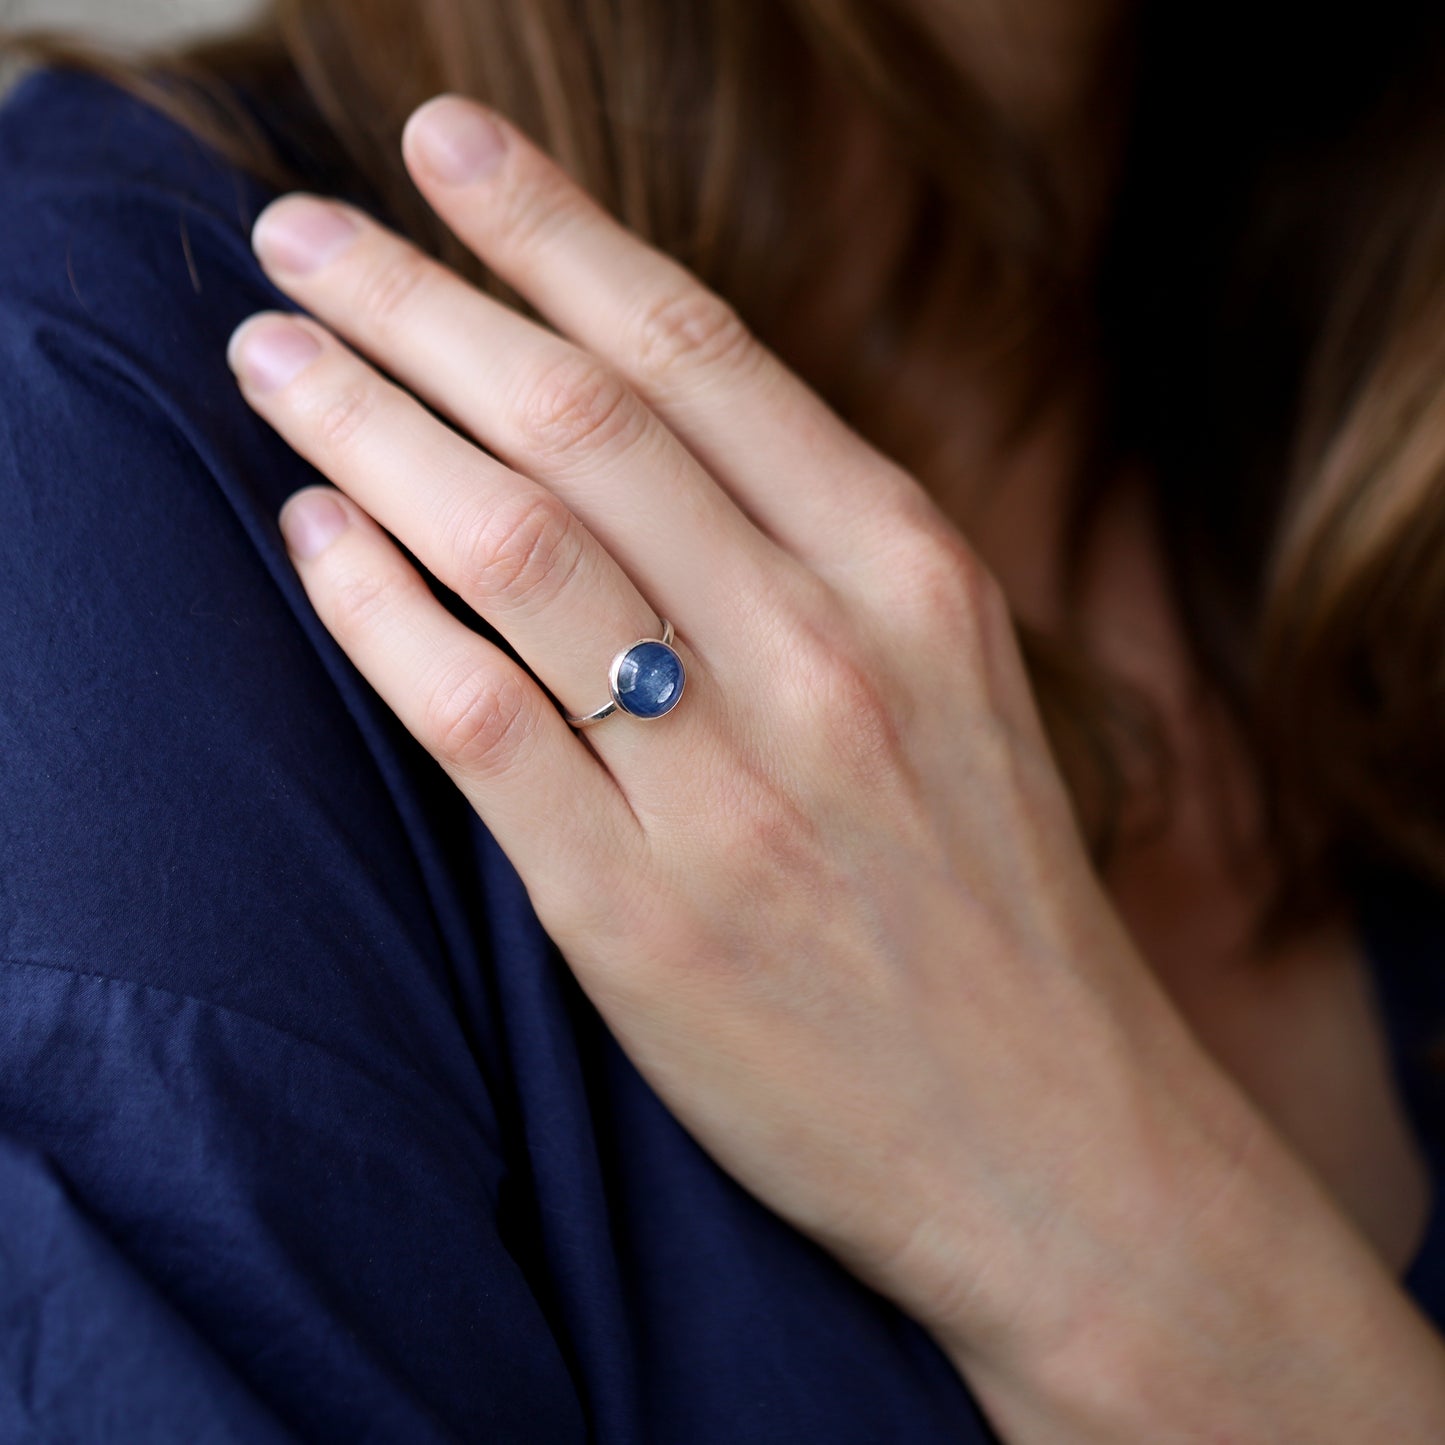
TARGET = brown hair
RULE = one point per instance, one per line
(1267, 314)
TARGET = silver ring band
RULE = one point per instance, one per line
(645, 680)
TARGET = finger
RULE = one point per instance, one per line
(507, 546)
(789, 460)
(536, 401)
(553, 808)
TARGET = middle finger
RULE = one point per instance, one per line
(536, 401)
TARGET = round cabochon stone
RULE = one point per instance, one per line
(649, 680)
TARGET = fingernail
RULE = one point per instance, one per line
(456, 141)
(268, 353)
(300, 235)
(310, 521)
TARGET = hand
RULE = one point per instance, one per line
(834, 906)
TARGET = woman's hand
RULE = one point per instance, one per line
(834, 906)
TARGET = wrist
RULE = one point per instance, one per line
(1248, 1308)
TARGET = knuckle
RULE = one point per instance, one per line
(521, 553)
(578, 405)
(947, 586)
(952, 604)
(857, 720)
(343, 416)
(481, 723)
(358, 601)
(529, 214)
(691, 327)
(388, 285)
(849, 708)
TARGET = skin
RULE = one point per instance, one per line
(834, 906)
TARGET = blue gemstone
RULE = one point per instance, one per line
(649, 680)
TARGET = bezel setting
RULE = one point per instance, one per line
(652, 646)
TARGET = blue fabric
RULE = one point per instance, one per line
(306, 1131)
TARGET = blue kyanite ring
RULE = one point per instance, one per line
(645, 680)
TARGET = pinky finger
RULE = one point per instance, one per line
(557, 813)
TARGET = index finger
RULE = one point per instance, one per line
(800, 472)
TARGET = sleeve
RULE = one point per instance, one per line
(255, 1181)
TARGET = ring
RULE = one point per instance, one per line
(646, 680)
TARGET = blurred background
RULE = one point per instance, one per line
(143, 20)
(129, 21)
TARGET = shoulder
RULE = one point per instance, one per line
(94, 176)
(125, 235)
(60, 124)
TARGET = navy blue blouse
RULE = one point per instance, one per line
(306, 1131)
